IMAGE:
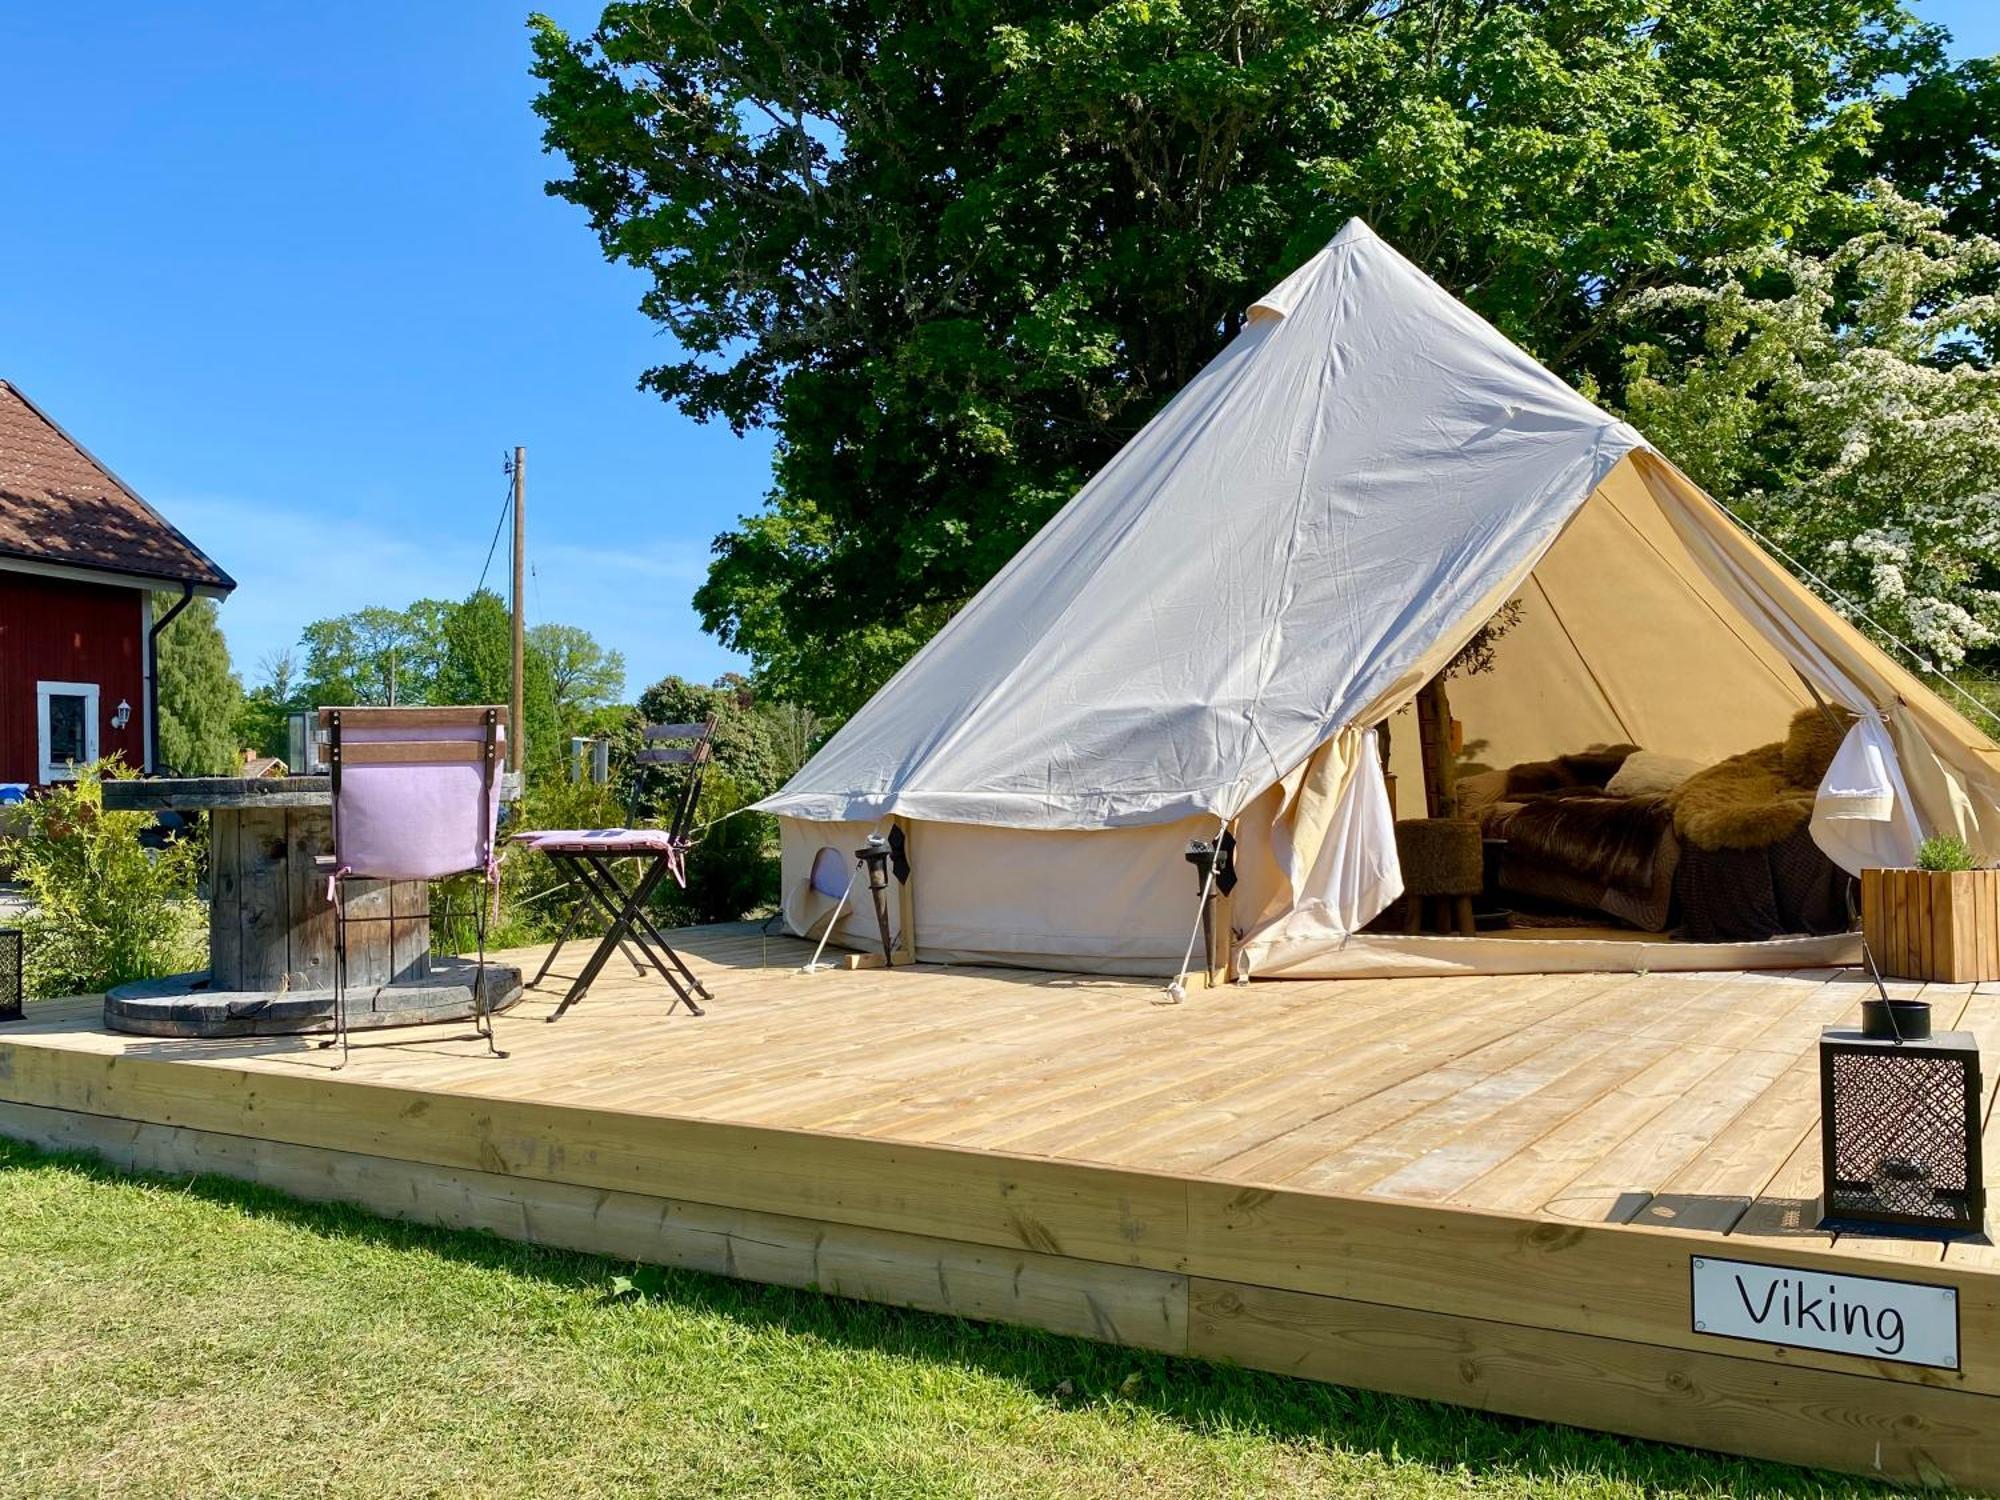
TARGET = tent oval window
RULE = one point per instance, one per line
(829, 872)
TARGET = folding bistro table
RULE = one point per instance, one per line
(587, 856)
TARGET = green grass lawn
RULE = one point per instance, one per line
(202, 1338)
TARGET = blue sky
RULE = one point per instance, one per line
(290, 271)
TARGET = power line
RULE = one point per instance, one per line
(506, 504)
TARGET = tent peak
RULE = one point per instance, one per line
(1282, 298)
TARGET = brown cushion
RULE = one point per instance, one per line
(1480, 791)
(1592, 766)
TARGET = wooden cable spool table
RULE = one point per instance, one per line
(271, 926)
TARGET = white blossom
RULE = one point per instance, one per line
(1831, 405)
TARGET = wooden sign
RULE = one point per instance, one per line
(1909, 1322)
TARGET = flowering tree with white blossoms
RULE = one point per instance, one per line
(1842, 405)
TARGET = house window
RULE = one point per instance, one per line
(65, 727)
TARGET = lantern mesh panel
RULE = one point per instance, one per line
(1899, 1135)
(10, 974)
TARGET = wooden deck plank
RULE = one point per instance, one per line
(1120, 1305)
(1448, 1101)
(1680, 1170)
(1202, 1118)
(1541, 1169)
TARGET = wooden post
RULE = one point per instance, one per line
(1221, 940)
(1434, 739)
(1221, 934)
(516, 740)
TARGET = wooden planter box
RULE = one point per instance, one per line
(1933, 924)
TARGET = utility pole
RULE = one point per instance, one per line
(515, 737)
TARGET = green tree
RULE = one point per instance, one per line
(956, 256)
(262, 720)
(1939, 140)
(733, 868)
(584, 675)
(375, 655)
(477, 666)
(746, 748)
(198, 693)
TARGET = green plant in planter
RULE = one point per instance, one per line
(1943, 852)
(103, 908)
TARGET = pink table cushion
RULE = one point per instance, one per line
(599, 841)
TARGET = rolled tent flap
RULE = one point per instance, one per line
(1331, 836)
(1864, 816)
(1357, 873)
(1337, 840)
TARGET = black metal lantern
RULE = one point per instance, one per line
(1215, 872)
(10, 973)
(1899, 1122)
(875, 857)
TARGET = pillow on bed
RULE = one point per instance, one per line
(1480, 791)
(1649, 773)
(1593, 766)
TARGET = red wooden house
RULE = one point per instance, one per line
(81, 556)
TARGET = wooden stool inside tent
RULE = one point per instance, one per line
(1443, 863)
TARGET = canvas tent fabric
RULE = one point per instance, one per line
(1273, 549)
(1267, 573)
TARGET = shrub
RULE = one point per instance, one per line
(733, 868)
(535, 900)
(103, 909)
(1946, 851)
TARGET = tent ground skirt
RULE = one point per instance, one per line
(1385, 956)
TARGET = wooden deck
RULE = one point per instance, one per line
(1486, 1191)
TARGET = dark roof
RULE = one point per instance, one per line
(59, 505)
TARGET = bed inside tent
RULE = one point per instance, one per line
(1673, 754)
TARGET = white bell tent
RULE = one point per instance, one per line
(1213, 630)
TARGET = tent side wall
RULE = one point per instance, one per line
(1101, 901)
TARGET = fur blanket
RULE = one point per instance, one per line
(1763, 796)
(1614, 840)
